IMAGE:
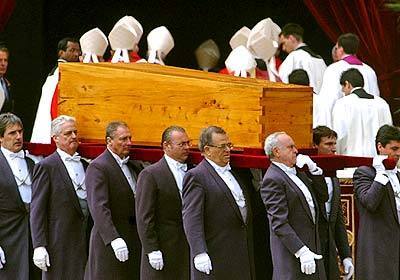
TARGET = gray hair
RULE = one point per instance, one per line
(271, 142)
(58, 122)
(8, 119)
(166, 135)
(206, 135)
(112, 127)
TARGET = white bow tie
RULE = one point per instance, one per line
(74, 157)
(182, 166)
(20, 154)
(225, 168)
(291, 170)
(125, 160)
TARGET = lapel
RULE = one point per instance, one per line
(169, 178)
(62, 170)
(246, 195)
(109, 158)
(392, 199)
(297, 190)
(224, 188)
(335, 203)
(9, 180)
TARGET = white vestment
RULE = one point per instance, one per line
(41, 132)
(315, 67)
(331, 89)
(356, 121)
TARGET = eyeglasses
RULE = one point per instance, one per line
(222, 146)
(183, 144)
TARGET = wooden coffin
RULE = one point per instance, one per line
(152, 97)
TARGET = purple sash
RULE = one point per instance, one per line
(353, 60)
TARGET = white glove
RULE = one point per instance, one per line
(41, 258)
(348, 268)
(156, 260)
(307, 261)
(2, 258)
(120, 249)
(301, 160)
(202, 263)
(381, 174)
(377, 163)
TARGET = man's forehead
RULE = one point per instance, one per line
(13, 127)
(393, 143)
(328, 139)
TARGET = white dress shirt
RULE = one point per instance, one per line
(328, 204)
(230, 181)
(291, 172)
(19, 168)
(178, 170)
(125, 169)
(75, 171)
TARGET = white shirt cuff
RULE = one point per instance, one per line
(382, 178)
(317, 171)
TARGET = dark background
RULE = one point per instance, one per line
(36, 26)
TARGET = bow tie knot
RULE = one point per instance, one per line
(124, 161)
(74, 157)
(182, 166)
(291, 170)
(20, 154)
(226, 168)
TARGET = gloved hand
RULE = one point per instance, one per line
(307, 261)
(41, 258)
(302, 160)
(202, 263)
(156, 260)
(377, 163)
(120, 249)
(348, 268)
(2, 258)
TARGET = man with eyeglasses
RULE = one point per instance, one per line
(217, 215)
(165, 252)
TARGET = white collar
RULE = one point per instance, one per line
(175, 163)
(119, 160)
(220, 169)
(285, 168)
(7, 153)
(355, 89)
(64, 155)
(300, 45)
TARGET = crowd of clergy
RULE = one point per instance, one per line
(114, 217)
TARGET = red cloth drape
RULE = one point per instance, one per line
(6, 9)
(376, 28)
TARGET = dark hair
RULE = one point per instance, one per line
(322, 131)
(299, 77)
(353, 76)
(8, 119)
(349, 42)
(63, 43)
(293, 29)
(112, 127)
(206, 136)
(385, 134)
(166, 135)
